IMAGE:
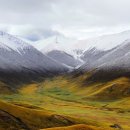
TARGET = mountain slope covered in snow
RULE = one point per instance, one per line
(19, 58)
(24, 55)
(57, 42)
(77, 48)
(118, 57)
(104, 42)
(114, 64)
(59, 49)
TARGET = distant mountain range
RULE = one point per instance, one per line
(86, 54)
(59, 49)
(20, 60)
(59, 54)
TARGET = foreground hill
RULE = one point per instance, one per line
(14, 117)
(76, 127)
(102, 105)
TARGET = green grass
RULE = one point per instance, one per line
(64, 97)
(59, 93)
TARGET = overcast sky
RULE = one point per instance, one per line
(37, 19)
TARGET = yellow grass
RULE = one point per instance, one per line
(77, 127)
(28, 89)
(94, 104)
(4, 89)
(112, 90)
(35, 119)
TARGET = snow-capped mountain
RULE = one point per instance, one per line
(10, 42)
(105, 42)
(89, 50)
(77, 48)
(92, 54)
(17, 55)
(57, 42)
(59, 49)
(118, 57)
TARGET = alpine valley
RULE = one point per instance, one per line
(60, 83)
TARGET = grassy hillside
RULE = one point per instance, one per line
(76, 127)
(72, 99)
(113, 90)
(4, 88)
(31, 117)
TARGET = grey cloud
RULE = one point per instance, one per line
(30, 32)
(70, 16)
(38, 34)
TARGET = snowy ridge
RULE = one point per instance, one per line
(12, 43)
(17, 55)
(77, 48)
(59, 49)
(118, 57)
(104, 42)
(61, 52)
(55, 43)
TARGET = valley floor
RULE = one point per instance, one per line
(60, 102)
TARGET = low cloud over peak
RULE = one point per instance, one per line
(36, 19)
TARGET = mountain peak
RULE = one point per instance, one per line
(12, 42)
